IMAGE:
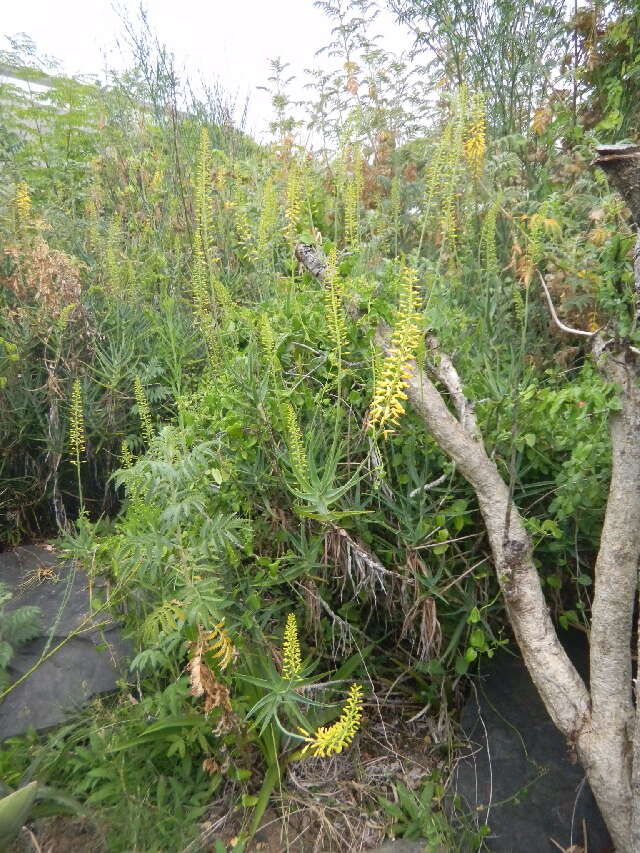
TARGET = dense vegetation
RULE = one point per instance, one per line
(213, 430)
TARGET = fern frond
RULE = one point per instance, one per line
(21, 625)
(203, 198)
(293, 203)
(352, 193)
(267, 223)
(488, 239)
(164, 619)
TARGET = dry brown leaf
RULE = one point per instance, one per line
(204, 683)
(210, 766)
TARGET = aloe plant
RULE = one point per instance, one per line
(14, 809)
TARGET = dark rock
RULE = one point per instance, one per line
(518, 776)
(401, 846)
(86, 665)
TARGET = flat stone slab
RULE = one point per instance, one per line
(518, 776)
(88, 663)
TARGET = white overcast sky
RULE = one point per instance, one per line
(231, 40)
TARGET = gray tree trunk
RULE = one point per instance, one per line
(602, 724)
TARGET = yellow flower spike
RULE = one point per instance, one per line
(76, 429)
(352, 193)
(269, 213)
(295, 444)
(334, 306)
(390, 389)
(291, 656)
(267, 342)
(293, 203)
(333, 739)
(22, 204)
(476, 141)
(126, 457)
(144, 412)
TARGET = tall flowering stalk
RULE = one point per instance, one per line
(475, 144)
(352, 194)
(334, 311)
(77, 446)
(22, 206)
(144, 412)
(293, 203)
(295, 444)
(268, 349)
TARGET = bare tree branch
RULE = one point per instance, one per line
(428, 486)
(562, 326)
(311, 258)
(446, 373)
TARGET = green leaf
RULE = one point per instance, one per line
(477, 638)
(6, 653)
(474, 616)
(14, 810)
(391, 808)
(239, 774)
(462, 665)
